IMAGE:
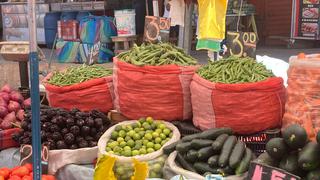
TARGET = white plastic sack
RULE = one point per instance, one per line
(279, 67)
(191, 175)
(60, 158)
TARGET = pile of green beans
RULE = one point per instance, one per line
(235, 70)
(156, 55)
(74, 75)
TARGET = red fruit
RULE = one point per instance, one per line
(15, 177)
(5, 172)
(48, 177)
(2, 177)
(21, 171)
(26, 178)
(29, 166)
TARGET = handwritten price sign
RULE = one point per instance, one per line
(258, 171)
(26, 156)
(156, 29)
(241, 44)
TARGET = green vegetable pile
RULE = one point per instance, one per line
(143, 137)
(214, 151)
(74, 75)
(235, 70)
(156, 55)
(294, 152)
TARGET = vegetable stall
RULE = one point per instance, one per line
(181, 119)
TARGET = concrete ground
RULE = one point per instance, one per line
(9, 71)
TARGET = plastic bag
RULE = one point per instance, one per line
(212, 19)
(124, 167)
(67, 51)
(303, 102)
(107, 29)
(6, 140)
(90, 29)
(86, 96)
(247, 108)
(162, 92)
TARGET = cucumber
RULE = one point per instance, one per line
(290, 163)
(266, 159)
(295, 136)
(183, 147)
(200, 143)
(213, 161)
(202, 167)
(277, 148)
(205, 153)
(313, 175)
(170, 148)
(190, 137)
(226, 151)
(214, 133)
(184, 163)
(192, 156)
(309, 157)
(218, 143)
(245, 162)
(237, 154)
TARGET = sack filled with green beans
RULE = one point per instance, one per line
(156, 55)
(233, 70)
(74, 75)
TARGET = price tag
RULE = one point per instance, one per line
(259, 171)
(156, 29)
(26, 156)
(241, 44)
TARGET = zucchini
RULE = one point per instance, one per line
(313, 175)
(218, 143)
(237, 154)
(184, 163)
(309, 157)
(245, 162)
(183, 147)
(201, 143)
(226, 151)
(202, 167)
(295, 136)
(170, 148)
(266, 159)
(192, 156)
(290, 163)
(214, 133)
(190, 137)
(277, 148)
(205, 153)
(213, 161)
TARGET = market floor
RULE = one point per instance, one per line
(9, 71)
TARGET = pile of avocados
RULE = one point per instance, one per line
(214, 151)
(294, 153)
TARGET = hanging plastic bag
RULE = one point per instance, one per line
(90, 29)
(67, 51)
(107, 29)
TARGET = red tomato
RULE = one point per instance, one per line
(5, 172)
(48, 177)
(2, 177)
(26, 178)
(21, 171)
(15, 177)
(29, 166)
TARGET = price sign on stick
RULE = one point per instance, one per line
(26, 156)
(241, 44)
(259, 171)
(156, 29)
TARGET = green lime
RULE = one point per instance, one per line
(127, 138)
(130, 143)
(127, 153)
(122, 133)
(139, 142)
(149, 120)
(110, 140)
(120, 170)
(134, 125)
(143, 151)
(123, 144)
(141, 133)
(123, 127)
(150, 145)
(149, 131)
(114, 135)
(155, 134)
(129, 128)
(117, 149)
(163, 136)
(118, 128)
(131, 133)
(145, 142)
(156, 167)
(136, 136)
(162, 126)
(113, 144)
(170, 135)
(150, 150)
(166, 131)
(167, 139)
(137, 146)
(111, 152)
(153, 126)
(108, 149)
(127, 148)
(137, 130)
(158, 131)
(157, 140)
(163, 142)
(153, 174)
(120, 139)
(157, 146)
(135, 152)
(148, 136)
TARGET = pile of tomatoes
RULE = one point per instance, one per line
(21, 173)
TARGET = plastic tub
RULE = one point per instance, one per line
(125, 22)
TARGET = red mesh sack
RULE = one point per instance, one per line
(162, 92)
(86, 96)
(6, 140)
(247, 108)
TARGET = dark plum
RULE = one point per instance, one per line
(75, 130)
(89, 122)
(61, 145)
(92, 143)
(69, 138)
(98, 122)
(54, 128)
(80, 122)
(74, 146)
(83, 144)
(85, 130)
(56, 136)
(64, 131)
(70, 122)
(79, 139)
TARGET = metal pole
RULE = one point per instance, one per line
(35, 95)
(188, 28)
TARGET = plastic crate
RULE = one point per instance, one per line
(257, 142)
(68, 30)
(186, 127)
